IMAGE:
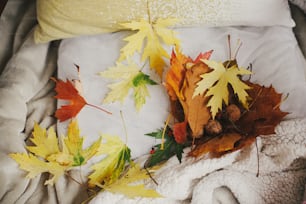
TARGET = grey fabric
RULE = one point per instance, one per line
(26, 94)
(12, 33)
(300, 28)
(300, 3)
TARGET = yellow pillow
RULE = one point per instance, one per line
(60, 19)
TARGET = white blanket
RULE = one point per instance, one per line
(281, 177)
(26, 96)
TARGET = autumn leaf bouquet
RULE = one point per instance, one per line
(213, 109)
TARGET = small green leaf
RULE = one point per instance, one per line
(78, 160)
(128, 78)
(157, 135)
(142, 79)
(171, 148)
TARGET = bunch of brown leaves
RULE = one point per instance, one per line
(237, 122)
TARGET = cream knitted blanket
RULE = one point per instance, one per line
(232, 178)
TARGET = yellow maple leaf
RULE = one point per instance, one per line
(215, 84)
(74, 144)
(34, 166)
(141, 92)
(130, 77)
(46, 156)
(152, 32)
(126, 186)
(45, 144)
(108, 170)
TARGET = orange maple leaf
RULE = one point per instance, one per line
(180, 83)
(67, 91)
(176, 73)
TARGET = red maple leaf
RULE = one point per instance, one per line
(180, 132)
(201, 56)
(67, 91)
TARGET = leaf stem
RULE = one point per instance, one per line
(229, 46)
(151, 177)
(73, 179)
(256, 97)
(239, 43)
(257, 174)
(283, 99)
(81, 177)
(99, 108)
(124, 126)
(250, 68)
(164, 132)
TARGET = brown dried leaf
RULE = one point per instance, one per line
(217, 146)
(195, 108)
(262, 117)
(264, 113)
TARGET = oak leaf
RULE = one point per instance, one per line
(130, 77)
(215, 84)
(46, 156)
(195, 108)
(151, 33)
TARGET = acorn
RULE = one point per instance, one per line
(213, 127)
(233, 113)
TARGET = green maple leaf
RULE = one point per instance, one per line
(110, 168)
(130, 78)
(171, 148)
(215, 84)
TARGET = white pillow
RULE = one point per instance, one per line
(273, 51)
